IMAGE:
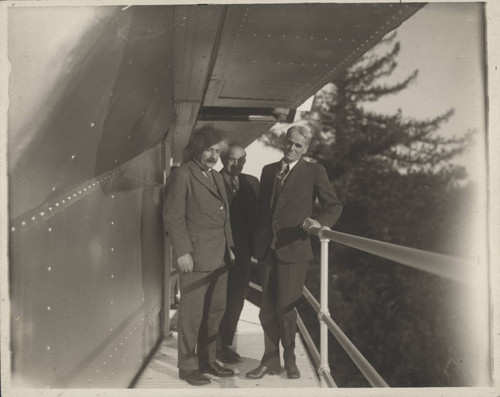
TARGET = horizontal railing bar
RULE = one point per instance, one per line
(314, 351)
(309, 342)
(361, 362)
(441, 265)
(255, 286)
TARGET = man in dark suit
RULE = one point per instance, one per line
(196, 215)
(242, 191)
(288, 191)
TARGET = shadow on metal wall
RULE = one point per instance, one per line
(85, 248)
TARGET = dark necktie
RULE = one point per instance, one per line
(235, 184)
(278, 184)
(208, 174)
(280, 176)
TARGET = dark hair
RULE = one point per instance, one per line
(202, 139)
(225, 153)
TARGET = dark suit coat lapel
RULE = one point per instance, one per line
(268, 180)
(293, 180)
(205, 181)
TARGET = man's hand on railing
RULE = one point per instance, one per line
(310, 223)
(185, 263)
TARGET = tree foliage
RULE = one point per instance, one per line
(397, 182)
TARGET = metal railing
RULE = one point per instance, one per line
(452, 268)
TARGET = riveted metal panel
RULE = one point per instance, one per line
(195, 40)
(86, 281)
(279, 55)
(196, 30)
(111, 97)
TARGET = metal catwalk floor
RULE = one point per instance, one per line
(162, 373)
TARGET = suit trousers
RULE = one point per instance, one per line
(282, 285)
(237, 288)
(201, 307)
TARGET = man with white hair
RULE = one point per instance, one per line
(287, 194)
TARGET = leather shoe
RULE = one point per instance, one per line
(228, 355)
(260, 371)
(292, 372)
(217, 370)
(195, 377)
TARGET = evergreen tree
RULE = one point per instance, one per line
(397, 183)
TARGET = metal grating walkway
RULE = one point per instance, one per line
(162, 373)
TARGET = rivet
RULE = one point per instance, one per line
(23, 223)
(111, 329)
(48, 347)
(104, 363)
(112, 302)
(42, 213)
(93, 184)
(112, 223)
(12, 228)
(312, 37)
(49, 229)
(130, 62)
(116, 161)
(112, 196)
(49, 308)
(74, 194)
(111, 94)
(184, 17)
(49, 268)
(97, 370)
(69, 197)
(326, 38)
(156, 89)
(33, 218)
(110, 355)
(128, 137)
(57, 204)
(79, 192)
(73, 157)
(269, 35)
(92, 124)
(112, 276)
(298, 36)
(112, 249)
(53, 189)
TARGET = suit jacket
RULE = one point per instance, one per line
(243, 210)
(196, 216)
(304, 183)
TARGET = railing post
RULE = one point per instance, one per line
(323, 310)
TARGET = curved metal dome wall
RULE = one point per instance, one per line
(85, 173)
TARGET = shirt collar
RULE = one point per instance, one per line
(290, 165)
(227, 175)
(201, 166)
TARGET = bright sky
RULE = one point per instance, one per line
(444, 42)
